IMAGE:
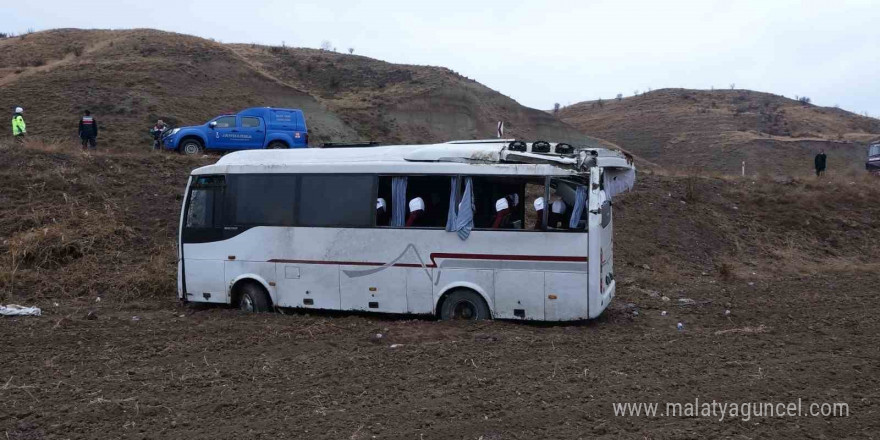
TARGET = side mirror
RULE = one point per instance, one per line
(212, 124)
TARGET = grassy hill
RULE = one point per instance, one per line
(717, 130)
(130, 78)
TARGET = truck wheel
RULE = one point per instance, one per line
(464, 304)
(276, 145)
(191, 147)
(253, 299)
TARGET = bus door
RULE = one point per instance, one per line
(601, 258)
(203, 263)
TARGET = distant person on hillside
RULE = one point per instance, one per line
(18, 127)
(157, 131)
(819, 163)
(88, 130)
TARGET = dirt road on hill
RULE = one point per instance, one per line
(180, 372)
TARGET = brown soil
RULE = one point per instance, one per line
(715, 131)
(794, 261)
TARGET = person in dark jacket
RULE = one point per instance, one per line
(819, 163)
(157, 131)
(88, 130)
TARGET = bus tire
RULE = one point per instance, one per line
(277, 145)
(254, 299)
(191, 147)
(464, 304)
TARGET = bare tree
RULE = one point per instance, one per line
(326, 45)
(350, 50)
(732, 86)
(636, 92)
(619, 96)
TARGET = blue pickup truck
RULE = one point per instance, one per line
(254, 128)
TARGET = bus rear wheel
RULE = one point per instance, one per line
(464, 305)
(253, 299)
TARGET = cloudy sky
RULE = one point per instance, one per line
(545, 52)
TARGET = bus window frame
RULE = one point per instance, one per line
(193, 235)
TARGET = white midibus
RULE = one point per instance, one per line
(462, 230)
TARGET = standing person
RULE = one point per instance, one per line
(18, 127)
(88, 130)
(157, 131)
(819, 163)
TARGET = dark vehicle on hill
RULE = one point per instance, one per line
(251, 129)
(873, 163)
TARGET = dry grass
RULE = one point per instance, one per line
(88, 224)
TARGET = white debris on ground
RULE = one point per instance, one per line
(17, 310)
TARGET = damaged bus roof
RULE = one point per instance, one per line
(456, 157)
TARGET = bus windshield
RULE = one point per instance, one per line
(874, 150)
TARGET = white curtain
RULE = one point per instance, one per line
(618, 181)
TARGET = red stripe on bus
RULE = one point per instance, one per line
(435, 256)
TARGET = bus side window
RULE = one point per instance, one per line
(500, 202)
(261, 200)
(562, 204)
(431, 194)
(336, 200)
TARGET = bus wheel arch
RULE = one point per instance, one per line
(465, 302)
(250, 294)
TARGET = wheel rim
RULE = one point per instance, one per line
(464, 310)
(275, 146)
(191, 148)
(247, 303)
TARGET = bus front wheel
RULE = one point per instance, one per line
(464, 305)
(253, 299)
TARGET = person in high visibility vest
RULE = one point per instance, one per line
(18, 127)
(88, 130)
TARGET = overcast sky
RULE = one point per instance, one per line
(545, 52)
